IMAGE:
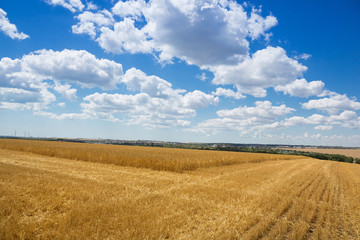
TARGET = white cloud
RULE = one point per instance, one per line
(217, 30)
(202, 77)
(79, 67)
(269, 67)
(66, 90)
(20, 99)
(241, 118)
(10, 29)
(258, 25)
(213, 126)
(18, 95)
(73, 66)
(323, 127)
(198, 99)
(64, 116)
(132, 8)
(72, 5)
(21, 90)
(136, 80)
(156, 105)
(333, 104)
(124, 37)
(297, 120)
(304, 56)
(91, 6)
(347, 119)
(209, 27)
(263, 112)
(228, 93)
(302, 88)
(61, 104)
(89, 22)
(25, 82)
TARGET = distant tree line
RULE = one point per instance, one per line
(322, 156)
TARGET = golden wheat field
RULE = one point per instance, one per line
(239, 196)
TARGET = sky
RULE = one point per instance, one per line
(266, 72)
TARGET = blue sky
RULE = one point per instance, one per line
(284, 72)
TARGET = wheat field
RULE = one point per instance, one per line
(44, 197)
(167, 159)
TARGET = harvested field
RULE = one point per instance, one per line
(45, 197)
(355, 153)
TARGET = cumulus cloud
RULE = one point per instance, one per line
(213, 35)
(21, 90)
(268, 67)
(10, 29)
(228, 93)
(333, 104)
(79, 67)
(242, 118)
(132, 8)
(137, 80)
(21, 99)
(61, 104)
(25, 82)
(302, 88)
(125, 37)
(346, 119)
(72, 5)
(64, 116)
(89, 22)
(323, 127)
(154, 104)
(202, 76)
(217, 30)
(259, 25)
(263, 112)
(304, 56)
(66, 90)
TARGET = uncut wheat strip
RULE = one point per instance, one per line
(177, 160)
(141, 180)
